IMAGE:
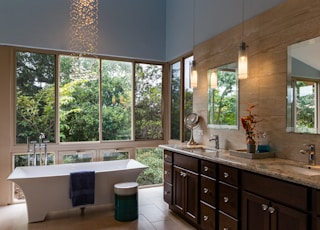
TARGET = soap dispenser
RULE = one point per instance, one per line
(263, 143)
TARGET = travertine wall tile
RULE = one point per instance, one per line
(268, 36)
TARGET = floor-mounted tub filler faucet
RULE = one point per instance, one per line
(216, 139)
(311, 151)
(42, 144)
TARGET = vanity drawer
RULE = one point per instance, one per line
(276, 190)
(168, 156)
(208, 169)
(229, 175)
(167, 172)
(187, 162)
(208, 190)
(207, 217)
(228, 199)
(227, 222)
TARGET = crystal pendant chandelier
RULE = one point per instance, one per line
(84, 26)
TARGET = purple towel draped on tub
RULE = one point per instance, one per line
(82, 188)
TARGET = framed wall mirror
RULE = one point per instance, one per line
(303, 84)
(223, 97)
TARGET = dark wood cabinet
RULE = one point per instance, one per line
(185, 187)
(214, 196)
(167, 176)
(228, 197)
(208, 194)
(261, 209)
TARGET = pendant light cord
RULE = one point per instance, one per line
(242, 32)
(194, 22)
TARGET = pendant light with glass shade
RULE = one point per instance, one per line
(193, 70)
(243, 54)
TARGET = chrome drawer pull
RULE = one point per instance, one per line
(264, 207)
(205, 218)
(183, 174)
(271, 210)
(226, 175)
(205, 190)
(205, 168)
(225, 199)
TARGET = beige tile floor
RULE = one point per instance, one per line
(153, 215)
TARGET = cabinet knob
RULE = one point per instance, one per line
(271, 210)
(166, 192)
(183, 174)
(205, 218)
(205, 190)
(226, 175)
(225, 199)
(205, 168)
(165, 172)
(225, 228)
(165, 156)
(264, 207)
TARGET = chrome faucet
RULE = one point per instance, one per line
(216, 139)
(311, 151)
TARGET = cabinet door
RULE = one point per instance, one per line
(167, 172)
(191, 196)
(255, 214)
(178, 190)
(283, 218)
(167, 193)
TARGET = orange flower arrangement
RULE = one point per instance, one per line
(249, 124)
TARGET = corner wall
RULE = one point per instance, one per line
(268, 36)
(5, 118)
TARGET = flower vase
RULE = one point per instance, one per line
(251, 148)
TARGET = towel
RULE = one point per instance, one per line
(82, 188)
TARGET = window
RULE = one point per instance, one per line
(35, 96)
(79, 99)
(67, 157)
(175, 100)
(188, 94)
(148, 103)
(153, 158)
(116, 100)
(114, 154)
(179, 111)
(96, 100)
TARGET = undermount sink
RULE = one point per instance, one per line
(200, 150)
(307, 170)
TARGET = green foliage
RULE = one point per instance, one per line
(222, 109)
(35, 96)
(152, 157)
(148, 112)
(175, 103)
(305, 107)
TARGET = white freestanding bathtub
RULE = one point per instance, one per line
(46, 188)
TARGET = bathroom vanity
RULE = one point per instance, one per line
(214, 190)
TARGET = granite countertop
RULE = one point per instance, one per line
(287, 170)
